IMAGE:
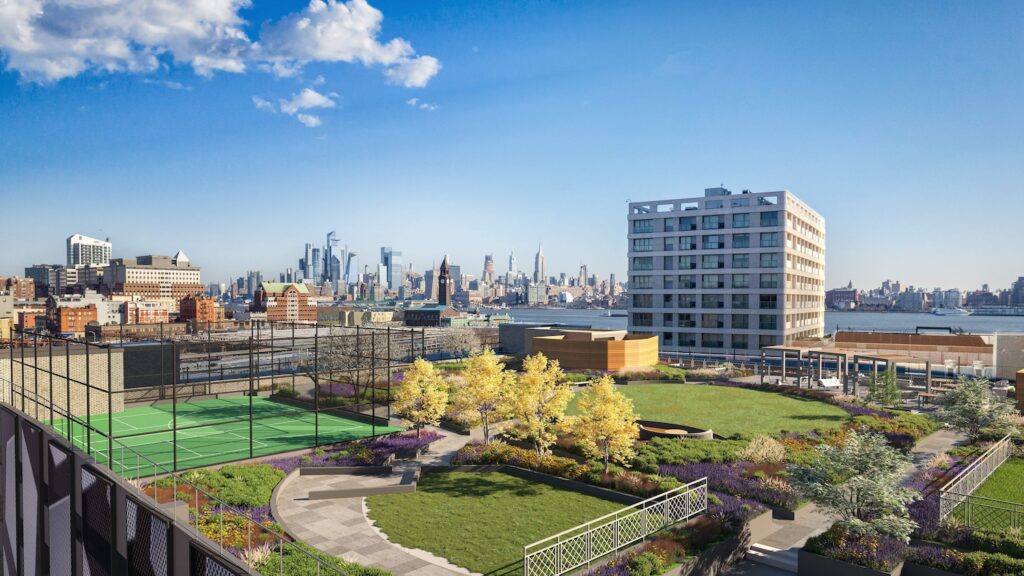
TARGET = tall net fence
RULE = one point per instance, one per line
(212, 397)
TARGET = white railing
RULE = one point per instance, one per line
(960, 489)
(580, 546)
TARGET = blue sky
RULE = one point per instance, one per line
(532, 122)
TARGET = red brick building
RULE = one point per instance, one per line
(200, 309)
(143, 312)
(67, 320)
(284, 302)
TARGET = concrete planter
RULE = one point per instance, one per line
(811, 564)
(911, 569)
(783, 514)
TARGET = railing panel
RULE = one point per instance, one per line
(580, 546)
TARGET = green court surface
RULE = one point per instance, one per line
(215, 431)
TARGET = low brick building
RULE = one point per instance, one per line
(283, 302)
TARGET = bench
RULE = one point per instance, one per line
(829, 383)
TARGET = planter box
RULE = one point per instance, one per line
(783, 514)
(716, 560)
(811, 564)
(911, 569)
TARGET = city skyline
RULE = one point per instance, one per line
(212, 276)
(511, 134)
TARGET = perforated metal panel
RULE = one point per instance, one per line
(202, 564)
(8, 455)
(97, 532)
(148, 542)
(59, 502)
(31, 446)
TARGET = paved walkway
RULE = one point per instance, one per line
(810, 521)
(340, 526)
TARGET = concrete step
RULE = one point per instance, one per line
(785, 560)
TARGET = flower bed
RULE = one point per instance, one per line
(871, 551)
(366, 452)
(734, 479)
(592, 473)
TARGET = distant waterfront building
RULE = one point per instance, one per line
(85, 251)
(726, 273)
(1017, 292)
(911, 301)
(842, 298)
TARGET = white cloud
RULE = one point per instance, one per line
(309, 120)
(417, 103)
(48, 40)
(168, 84)
(319, 80)
(332, 31)
(307, 99)
(263, 104)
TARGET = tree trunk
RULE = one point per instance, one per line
(487, 431)
(418, 428)
(605, 460)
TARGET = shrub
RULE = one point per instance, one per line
(499, 453)
(646, 564)
(937, 557)
(296, 563)
(728, 478)
(764, 449)
(991, 564)
(996, 543)
(236, 484)
(863, 549)
(684, 451)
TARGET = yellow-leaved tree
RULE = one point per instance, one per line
(482, 399)
(606, 427)
(539, 402)
(422, 396)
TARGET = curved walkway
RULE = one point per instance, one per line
(340, 526)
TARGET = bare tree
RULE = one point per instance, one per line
(461, 342)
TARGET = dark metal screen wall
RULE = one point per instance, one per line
(62, 515)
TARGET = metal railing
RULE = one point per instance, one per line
(230, 530)
(956, 496)
(582, 545)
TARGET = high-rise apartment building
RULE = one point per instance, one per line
(726, 272)
(85, 251)
(488, 276)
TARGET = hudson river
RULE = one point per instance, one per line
(882, 321)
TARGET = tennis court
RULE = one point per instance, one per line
(212, 431)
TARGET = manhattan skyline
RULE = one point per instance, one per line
(891, 120)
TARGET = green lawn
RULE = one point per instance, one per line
(729, 411)
(481, 521)
(1006, 483)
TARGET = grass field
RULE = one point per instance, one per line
(729, 411)
(1006, 483)
(216, 431)
(481, 521)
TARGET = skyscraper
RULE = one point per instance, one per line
(512, 262)
(488, 275)
(538, 266)
(392, 261)
(444, 285)
(85, 251)
(582, 281)
(332, 266)
(306, 263)
(725, 272)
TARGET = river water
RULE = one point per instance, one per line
(878, 321)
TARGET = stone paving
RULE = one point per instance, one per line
(340, 526)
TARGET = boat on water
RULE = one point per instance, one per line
(950, 312)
